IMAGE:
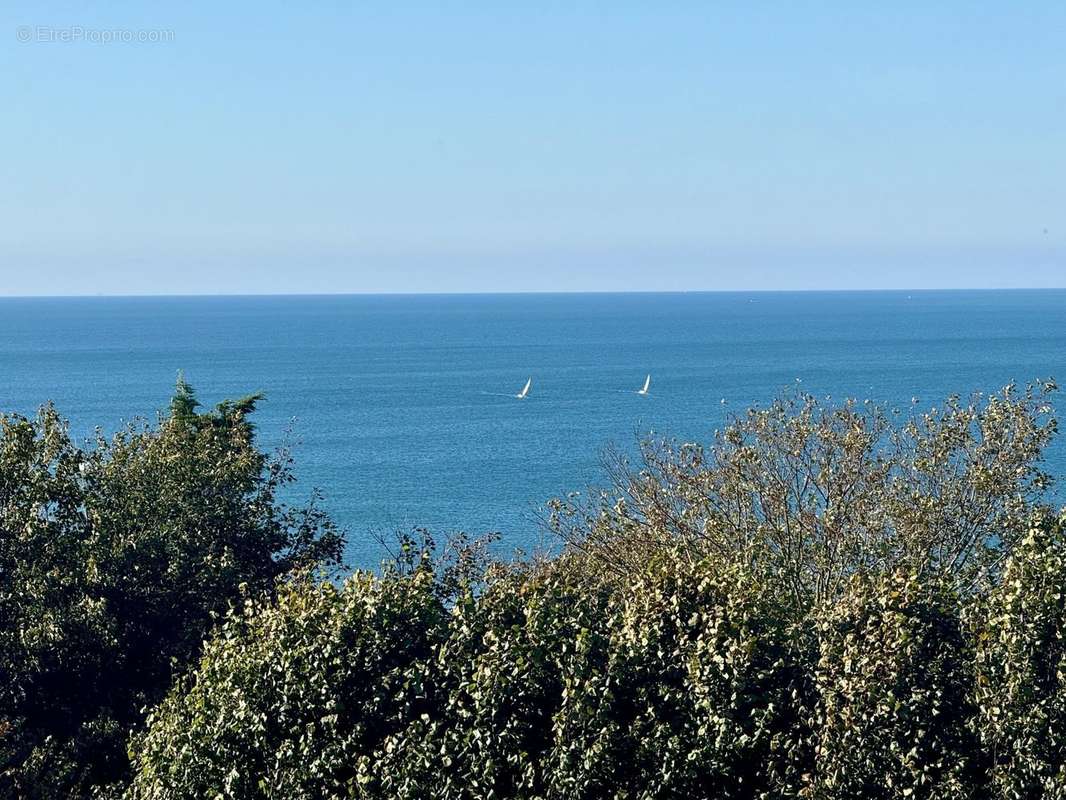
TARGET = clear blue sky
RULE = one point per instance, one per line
(361, 146)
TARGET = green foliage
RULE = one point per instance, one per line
(826, 605)
(1020, 630)
(685, 680)
(290, 696)
(497, 679)
(115, 561)
(695, 688)
(687, 684)
(894, 679)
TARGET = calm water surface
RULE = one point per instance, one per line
(403, 407)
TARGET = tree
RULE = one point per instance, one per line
(813, 494)
(115, 561)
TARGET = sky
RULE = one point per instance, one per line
(265, 147)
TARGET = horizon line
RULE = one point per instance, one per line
(524, 292)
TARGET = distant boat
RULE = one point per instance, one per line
(525, 390)
(647, 385)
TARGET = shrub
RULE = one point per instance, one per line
(694, 688)
(685, 684)
(290, 695)
(1020, 630)
(499, 678)
(894, 680)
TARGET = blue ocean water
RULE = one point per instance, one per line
(403, 407)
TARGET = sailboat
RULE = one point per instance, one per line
(525, 390)
(647, 385)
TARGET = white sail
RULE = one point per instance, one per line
(525, 390)
(647, 385)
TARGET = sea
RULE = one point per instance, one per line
(401, 409)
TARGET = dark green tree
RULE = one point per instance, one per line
(115, 561)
